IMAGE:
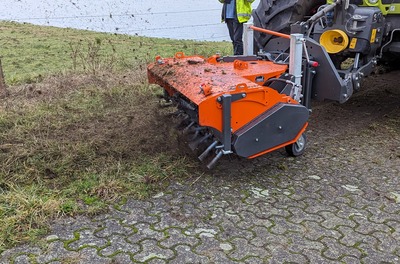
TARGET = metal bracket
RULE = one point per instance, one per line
(226, 101)
(295, 64)
(234, 97)
(226, 123)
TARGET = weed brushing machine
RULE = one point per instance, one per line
(243, 105)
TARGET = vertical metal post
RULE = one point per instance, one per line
(356, 60)
(295, 62)
(226, 123)
(248, 39)
(308, 73)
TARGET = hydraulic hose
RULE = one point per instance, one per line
(323, 12)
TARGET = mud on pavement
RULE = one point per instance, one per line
(338, 203)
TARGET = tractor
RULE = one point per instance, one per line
(356, 34)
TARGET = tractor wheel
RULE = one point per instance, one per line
(297, 148)
(278, 15)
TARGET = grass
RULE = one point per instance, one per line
(30, 52)
(80, 128)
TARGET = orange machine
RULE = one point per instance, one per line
(251, 105)
(239, 105)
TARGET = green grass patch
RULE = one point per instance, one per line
(31, 52)
(80, 128)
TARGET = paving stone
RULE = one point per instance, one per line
(376, 215)
(397, 252)
(54, 251)
(303, 193)
(71, 256)
(232, 216)
(112, 227)
(281, 226)
(298, 215)
(150, 249)
(158, 206)
(230, 230)
(156, 261)
(345, 211)
(117, 244)
(395, 229)
(87, 255)
(144, 231)
(350, 260)
(219, 257)
(214, 204)
(10, 254)
(102, 217)
(359, 202)
(178, 237)
(314, 231)
(351, 238)
(276, 241)
(114, 212)
(226, 247)
(261, 233)
(391, 208)
(367, 227)
(172, 220)
(332, 220)
(190, 210)
(379, 257)
(282, 255)
(298, 244)
(22, 259)
(255, 217)
(184, 254)
(208, 246)
(138, 215)
(314, 208)
(121, 258)
(242, 250)
(64, 228)
(335, 251)
(86, 239)
(282, 203)
(131, 204)
(254, 260)
(386, 242)
(315, 256)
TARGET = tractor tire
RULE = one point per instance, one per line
(278, 15)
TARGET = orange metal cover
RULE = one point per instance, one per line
(187, 74)
(202, 81)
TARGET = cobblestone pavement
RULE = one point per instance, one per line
(339, 203)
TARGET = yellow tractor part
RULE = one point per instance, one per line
(334, 41)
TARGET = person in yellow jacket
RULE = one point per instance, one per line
(235, 13)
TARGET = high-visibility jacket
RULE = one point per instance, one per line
(243, 10)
